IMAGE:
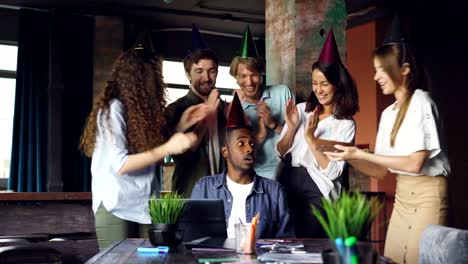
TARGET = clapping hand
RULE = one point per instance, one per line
(265, 114)
(213, 100)
(197, 113)
(292, 115)
(345, 153)
(311, 126)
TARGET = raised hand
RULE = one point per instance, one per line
(311, 126)
(292, 115)
(213, 99)
(212, 102)
(264, 112)
(343, 153)
(192, 116)
(180, 143)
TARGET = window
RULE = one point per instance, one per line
(178, 84)
(9, 54)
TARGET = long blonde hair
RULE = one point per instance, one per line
(393, 57)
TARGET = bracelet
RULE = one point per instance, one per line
(276, 125)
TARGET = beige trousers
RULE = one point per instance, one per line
(110, 228)
(419, 201)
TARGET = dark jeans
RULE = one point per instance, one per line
(302, 194)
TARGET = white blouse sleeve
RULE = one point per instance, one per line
(430, 131)
(113, 137)
(424, 134)
(417, 132)
(345, 133)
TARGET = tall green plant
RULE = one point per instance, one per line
(349, 215)
(166, 210)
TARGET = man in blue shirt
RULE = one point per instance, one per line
(263, 105)
(243, 191)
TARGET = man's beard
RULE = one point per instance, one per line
(203, 91)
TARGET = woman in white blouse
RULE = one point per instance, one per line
(309, 175)
(124, 136)
(408, 144)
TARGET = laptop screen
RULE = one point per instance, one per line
(202, 218)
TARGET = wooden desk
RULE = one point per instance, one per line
(125, 251)
(47, 213)
(39, 217)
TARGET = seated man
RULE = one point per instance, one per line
(243, 191)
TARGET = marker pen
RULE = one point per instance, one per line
(159, 249)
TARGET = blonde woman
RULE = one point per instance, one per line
(408, 144)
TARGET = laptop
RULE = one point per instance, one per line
(202, 218)
(204, 224)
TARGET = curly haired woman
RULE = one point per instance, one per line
(124, 136)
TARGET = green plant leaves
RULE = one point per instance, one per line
(166, 210)
(350, 215)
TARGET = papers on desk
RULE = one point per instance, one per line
(283, 247)
(292, 258)
(211, 244)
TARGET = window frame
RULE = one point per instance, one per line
(6, 74)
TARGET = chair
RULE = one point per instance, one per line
(13, 242)
(24, 238)
(72, 236)
(441, 244)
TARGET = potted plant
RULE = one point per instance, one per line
(351, 215)
(165, 213)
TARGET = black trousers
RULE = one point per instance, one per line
(302, 194)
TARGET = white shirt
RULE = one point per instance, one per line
(125, 196)
(239, 194)
(420, 130)
(329, 128)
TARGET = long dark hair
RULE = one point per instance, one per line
(346, 96)
(137, 82)
(392, 57)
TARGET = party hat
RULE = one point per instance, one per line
(144, 42)
(236, 116)
(197, 41)
(248, 48)
(329, 52)
(394, 35)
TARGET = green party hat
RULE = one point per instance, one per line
(248, 48)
